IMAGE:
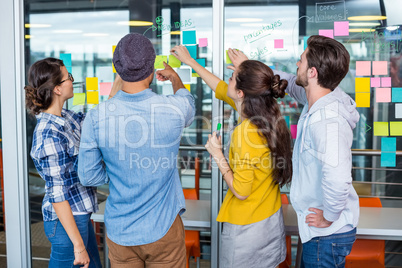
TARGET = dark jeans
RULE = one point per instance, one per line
(62, 254)
(328, 251)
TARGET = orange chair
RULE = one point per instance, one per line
(367, 253)
(288, 261)
(193, 237)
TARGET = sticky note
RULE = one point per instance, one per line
(388, 144)
(91, 83)
(380, 68)
(395, 128)
(113, 48)
(341, 28)
(79, 99)
(363, 68)
(189, 38)
(381, 129)
(159, 59)
(362, 99)
(327, 33)
(375, 81)
(398, 110)
(203, 42)
(287, 120)
(195, 75)
(228, 61)
(184, 74)
(92, 97)
(174, 62)
(362, 84)
(69, 69)
(397, 94)
(278, 43)
(105, 88)
(293, 131)
(188, 86)
(385, 81)
(193, 51)
(66, 58)
(305, 38)
(200, 62)
(383, 94)
(388, 159)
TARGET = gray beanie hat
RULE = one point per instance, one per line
(134, 57)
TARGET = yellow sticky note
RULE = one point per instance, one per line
(362, 100)
(79, 99)
(381, 129)
(188, 87)
(92, 83)
(92, 97)
(396, 128)
(113, 48)
(195, 75)
(174, 62)
(228, 61)
(362, 84)
(159, 62)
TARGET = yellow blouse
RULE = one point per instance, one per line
(251, 162)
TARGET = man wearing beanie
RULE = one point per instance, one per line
(131, 142)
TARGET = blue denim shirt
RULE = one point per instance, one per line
(132, 142)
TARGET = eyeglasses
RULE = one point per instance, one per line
(70, 77)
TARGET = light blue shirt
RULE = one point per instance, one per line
(322, 161)
(132, 142)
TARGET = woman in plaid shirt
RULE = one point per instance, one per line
(55, 145)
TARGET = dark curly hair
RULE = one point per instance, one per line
(43, 76)
(261, 88)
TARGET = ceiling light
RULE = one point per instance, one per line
(95, 34)
(368, 18)
(360, 30)
(135, 23)
(175, 32)
(36, 25)
(244, 20)
(67, 31)
(364, 24)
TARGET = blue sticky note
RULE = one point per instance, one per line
(305, 38)
(69, 69)
(189, 38)
(200, 62)
(193, 51)
(66, 58)
(272, 67)
(287, 120)
(388, 159)
(397, 94)
(388, 145)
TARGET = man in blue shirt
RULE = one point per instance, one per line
(131, 142)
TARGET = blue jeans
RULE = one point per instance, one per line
(328, 251)
(62, 254)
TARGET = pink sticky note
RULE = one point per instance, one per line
(341, 28)
(327, 33)
(386, 81)
(363, 68)
(278, 43)
(105, 88)
(202, 42)
(375, 82)
(293, 131)
(383, 94)
(380, 68)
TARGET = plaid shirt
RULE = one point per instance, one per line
(55, 145)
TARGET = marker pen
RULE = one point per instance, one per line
(218, 128)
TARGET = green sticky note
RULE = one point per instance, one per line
(396, 128)
(228, 61)
(381, 129)
(174, 62)
(159, 62)
(92, 83)
(79, 99)
(92, 97)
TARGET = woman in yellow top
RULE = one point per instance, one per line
(253, 232)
